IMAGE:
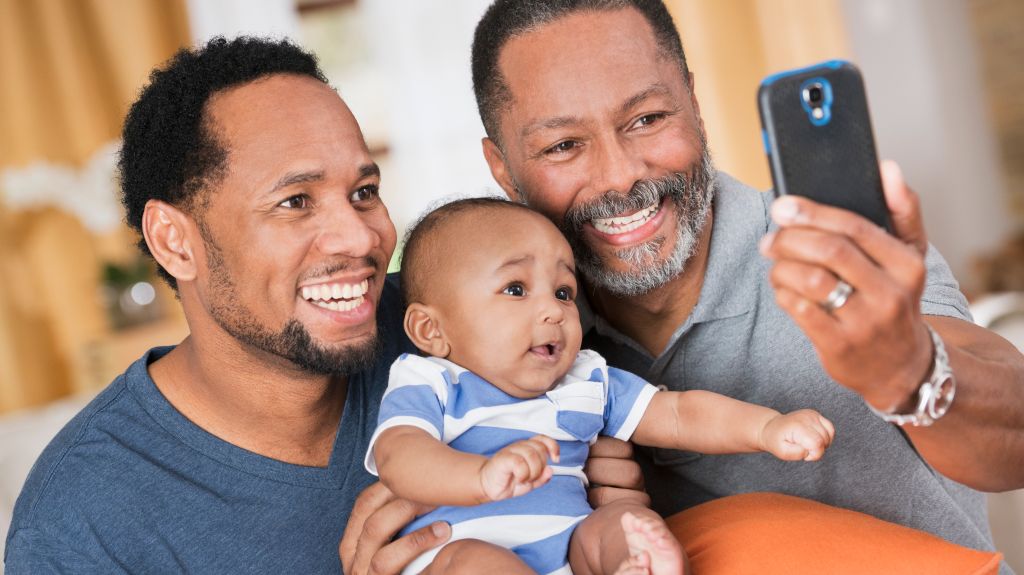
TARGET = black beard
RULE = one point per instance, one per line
(293, 342)
(691, 196)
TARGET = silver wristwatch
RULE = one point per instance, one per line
(933, 397)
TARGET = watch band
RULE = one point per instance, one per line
(933, 397)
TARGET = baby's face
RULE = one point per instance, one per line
(507, 304)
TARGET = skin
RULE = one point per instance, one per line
(500, 304)
(574, 77)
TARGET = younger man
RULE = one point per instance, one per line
(494, 426)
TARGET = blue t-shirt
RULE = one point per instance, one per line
(132, 486)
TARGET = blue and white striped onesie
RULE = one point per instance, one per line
(469, 414)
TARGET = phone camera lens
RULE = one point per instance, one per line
(814, 94)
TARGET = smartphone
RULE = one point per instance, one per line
(817, 134)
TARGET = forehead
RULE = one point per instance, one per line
(482, 237)
(583, 60)
(283, 121)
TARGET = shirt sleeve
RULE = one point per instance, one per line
(942, 295)
(628, 398)
(416, 395)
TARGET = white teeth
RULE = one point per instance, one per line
(343, 294)
(342, 305)
(621, 225)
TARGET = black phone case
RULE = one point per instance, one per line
(832, 163)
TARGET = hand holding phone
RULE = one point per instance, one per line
(817, 133)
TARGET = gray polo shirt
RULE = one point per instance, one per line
(738, 342)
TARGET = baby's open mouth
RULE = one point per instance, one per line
(548, 350)
(336, 296)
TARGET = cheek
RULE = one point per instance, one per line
(553, 190)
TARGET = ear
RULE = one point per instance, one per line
(422, 328)
(165, 229)
(499, 170)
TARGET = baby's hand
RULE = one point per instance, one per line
(518, 468)
(798, 435)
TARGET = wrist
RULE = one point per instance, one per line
(900, 394)
(761, 439)
(934, 395)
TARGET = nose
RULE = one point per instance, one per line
(621, 165)
(344, 231)
(552, 311)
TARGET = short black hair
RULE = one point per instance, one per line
(419, 256)
(507, 19)
(170, 151)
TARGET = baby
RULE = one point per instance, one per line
(494, 426)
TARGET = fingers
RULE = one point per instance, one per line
(614, 472)
(377, 531)
(369, 501)
(611, 448)
(800, 435)
(393, 557)
(904, 207)
(519, 468)
(838, 240)
(599, 496)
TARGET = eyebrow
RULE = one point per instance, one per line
(292, 178)
(655, 90)
(514, 262)
(565, 121)
(528, 258)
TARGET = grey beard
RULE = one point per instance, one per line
(692, 197)
(293, 342)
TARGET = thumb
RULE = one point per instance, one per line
(904, 207)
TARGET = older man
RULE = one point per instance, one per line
(591, 118)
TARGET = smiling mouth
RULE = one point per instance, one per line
(337, 296)
(623, 224)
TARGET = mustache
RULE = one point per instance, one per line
(643, 194)
(331, 268)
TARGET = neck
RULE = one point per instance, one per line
(243, 396)
(651, 319)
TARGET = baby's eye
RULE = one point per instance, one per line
(563, 293)
(515, 289)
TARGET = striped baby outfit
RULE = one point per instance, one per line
(466, 412)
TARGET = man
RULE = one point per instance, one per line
(238, 449)
(591, 118)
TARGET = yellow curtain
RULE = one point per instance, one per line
(731, 45)
(68, 71)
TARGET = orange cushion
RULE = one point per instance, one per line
(767, 533)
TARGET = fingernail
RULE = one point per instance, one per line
(766, 243)
(785, 210)
(440, 529)
(892, 170)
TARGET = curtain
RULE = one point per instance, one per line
(68, 71)
(731, 45)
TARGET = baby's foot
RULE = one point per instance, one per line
(651, 537)
(635, 565)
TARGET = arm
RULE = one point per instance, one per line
(877, 344)
(416, 466)
(711, 423)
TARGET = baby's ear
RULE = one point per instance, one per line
(422, 328)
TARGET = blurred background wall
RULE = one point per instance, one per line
(77, 304)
